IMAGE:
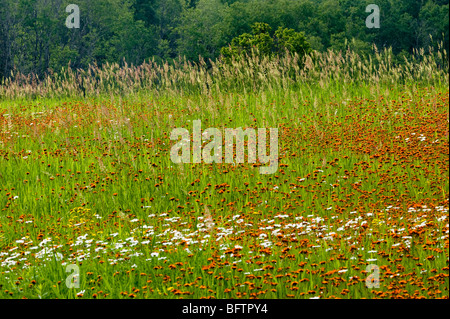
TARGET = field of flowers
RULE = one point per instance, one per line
(91, 206)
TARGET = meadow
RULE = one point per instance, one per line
(358, 207)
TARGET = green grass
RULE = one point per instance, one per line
(354, 179)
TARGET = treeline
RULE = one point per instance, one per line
(34, 37)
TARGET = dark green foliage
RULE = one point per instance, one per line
(34, 39)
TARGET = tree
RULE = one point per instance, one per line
(265, 44)
(200, 32)
(288, 39)
(34, 39)
(433, 20)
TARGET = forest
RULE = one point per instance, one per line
(34, 37)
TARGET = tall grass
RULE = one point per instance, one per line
(86, 179)
(181, 77)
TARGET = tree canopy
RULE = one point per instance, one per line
(34, 38)
(264, 43)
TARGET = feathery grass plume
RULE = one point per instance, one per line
(250, 73)
(209, 223)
